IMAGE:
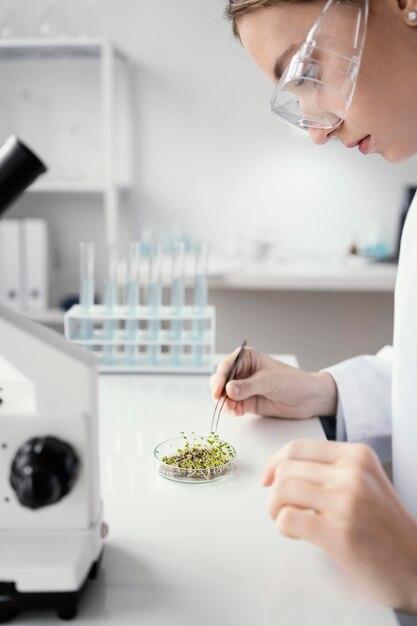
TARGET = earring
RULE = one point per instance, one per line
(412, 16)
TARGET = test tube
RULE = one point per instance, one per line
(110, 300)
(177, 298)
(200, 299)
(154, 299)
(86, 289)
(132, 298)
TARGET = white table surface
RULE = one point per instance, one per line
(188, 555)
(356, 276)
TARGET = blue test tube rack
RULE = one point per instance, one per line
(175, 352)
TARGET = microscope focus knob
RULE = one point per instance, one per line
(43, 471)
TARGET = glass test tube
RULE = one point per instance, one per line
(86, 289)
(200, 299)
(110, 300)
(154, 300)
(132, 298)
(177, 298)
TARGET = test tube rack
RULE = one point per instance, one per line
(191, 352)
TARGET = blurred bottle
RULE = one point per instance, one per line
(88, 26)
(54, 22)
(12, 26)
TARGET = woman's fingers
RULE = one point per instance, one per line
(218, 379)
(296, 492)
(298, 523)
(304, 450)
(237, 408)
(259, 384)
(314, 472)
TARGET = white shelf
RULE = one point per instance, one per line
(65, 47)
(47, 316)
(63, 186)
(310, 276)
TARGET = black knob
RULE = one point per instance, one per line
(43, 471)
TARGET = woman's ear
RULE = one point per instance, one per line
(408, 9)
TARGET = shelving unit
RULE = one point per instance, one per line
(112, 64)
(64, 186)
(100, 74)
(51, 317)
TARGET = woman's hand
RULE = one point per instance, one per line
(268, 387)
(337, 496)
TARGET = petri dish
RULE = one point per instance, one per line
(198, 475)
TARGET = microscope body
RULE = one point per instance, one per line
(51, 527)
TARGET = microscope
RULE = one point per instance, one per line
(51, 528)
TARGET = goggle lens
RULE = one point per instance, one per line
(318, 86)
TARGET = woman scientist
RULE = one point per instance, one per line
(344, 69)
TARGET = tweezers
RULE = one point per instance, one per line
(229, 376)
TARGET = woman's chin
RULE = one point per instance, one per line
(397, 155)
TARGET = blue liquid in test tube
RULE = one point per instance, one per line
(110, 301)
(154, 301)
(200, 299)
(86, 330)
(177, 299)
(132, 299)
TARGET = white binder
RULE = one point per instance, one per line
(10, 264)
(34, 257)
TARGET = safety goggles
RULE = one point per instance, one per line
(317, 87)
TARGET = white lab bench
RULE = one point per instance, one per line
(324, 312)
(182, 554)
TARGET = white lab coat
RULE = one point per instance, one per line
(378, 394)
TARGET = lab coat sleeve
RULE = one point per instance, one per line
(364, 400)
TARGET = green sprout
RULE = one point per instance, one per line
(205, 459)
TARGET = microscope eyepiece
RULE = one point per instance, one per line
(43, 471)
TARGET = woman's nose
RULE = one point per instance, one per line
(320, 136)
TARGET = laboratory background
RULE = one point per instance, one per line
(166, 134)
(154, 217)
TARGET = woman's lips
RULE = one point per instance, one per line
(364, 144)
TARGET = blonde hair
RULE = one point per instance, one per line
(236, 8)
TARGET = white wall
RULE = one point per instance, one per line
(207, 150)
(209, 154)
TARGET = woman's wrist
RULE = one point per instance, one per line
(325, 395)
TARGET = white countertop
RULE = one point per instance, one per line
(356, 275)
(188, 555)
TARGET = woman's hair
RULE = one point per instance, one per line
(236, 8)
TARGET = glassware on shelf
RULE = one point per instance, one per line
(86, 289)
(12, 26)
(88, 26)
(177, 297)
(54, 22)
(132, 298)
(200, 299)
(110, 300)
(154, 300)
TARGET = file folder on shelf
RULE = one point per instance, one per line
(34, 264)
(10, 264)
